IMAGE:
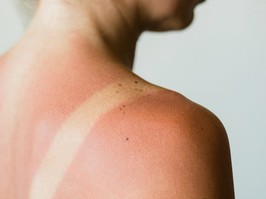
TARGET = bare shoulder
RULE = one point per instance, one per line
(193, 149)
(160, 145)
(174, 112)
(183, 149)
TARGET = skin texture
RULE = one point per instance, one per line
(76, 122)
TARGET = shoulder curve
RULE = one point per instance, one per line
(170, 115)
(187, 112)
(163, 146)
(193, 144)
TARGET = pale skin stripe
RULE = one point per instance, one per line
(73, 132)
(12, 107)
(13, 98)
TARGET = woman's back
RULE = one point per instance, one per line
(76, 122)
(119, 138)
(39, 111)
(36, 104)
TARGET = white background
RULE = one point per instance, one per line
(219, 62)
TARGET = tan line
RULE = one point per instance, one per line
(16, 82)
(73, 133)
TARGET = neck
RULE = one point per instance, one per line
(106, 30)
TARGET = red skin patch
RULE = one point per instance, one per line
(129, 150)
(115, 159)
(53, 94)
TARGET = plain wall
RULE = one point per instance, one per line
(218, 62)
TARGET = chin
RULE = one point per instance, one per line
(179, 23)
(186, 23)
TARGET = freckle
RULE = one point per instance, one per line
(127, 139)
(119, 84)
(120, 109)
(136, 82)
(124, 105)
(140, 90)
(117, 91)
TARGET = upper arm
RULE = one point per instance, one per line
(206, 156)
(197, 163)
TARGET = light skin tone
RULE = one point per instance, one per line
(76, 122)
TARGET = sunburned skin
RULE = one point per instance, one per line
(122, 157)
(75, 129)
(106, 135)
(45, 115)
(77, 123)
